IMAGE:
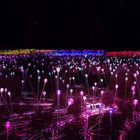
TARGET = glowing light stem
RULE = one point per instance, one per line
(138, 86)
(105, 78)
(110, 126)
(38, 83)
(66, 97)
(125, 89)
(40, 96)
(115, 95)
(31, 88)
(11, 103)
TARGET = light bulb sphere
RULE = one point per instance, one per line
(116, 86)
(5, 89)
(102, 92)
(135, 102)
(44, 93)
(133, 88)
(45, 80)
(67, 85)
(58, 92)
(7, 125)
(9, 93)
(84, 98)
(101, 80)
(126, 78)
(95, 84)
(81, 93)
(135, 75)
(71, 90)
(70, 101)
(58, 69)
(1, 90)
(93, 87)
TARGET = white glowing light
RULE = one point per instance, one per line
(1, 90)
(45, 80)
(84, 98)
(116, 86)
(67, 85)
(58, 69)
(9, 93)
(93, 87)
(95, 84)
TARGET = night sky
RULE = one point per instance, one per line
(50, 24)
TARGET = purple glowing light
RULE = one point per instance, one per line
(111, 110)
(7, 125)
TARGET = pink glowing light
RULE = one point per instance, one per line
(44, 93)
(84, 98)
(45, 80)
(126, 78)
(135, 102)
(81, 93)
(70, 101)
(7, 125)
(133, 88)
(135, 75)
(58, 92)
(93, 87)
(67, 85)
(116, 75)
(135, 82)
(102, 92)
(116, 86)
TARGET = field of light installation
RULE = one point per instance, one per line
(63, 94)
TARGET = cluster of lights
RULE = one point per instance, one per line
(16, 52)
